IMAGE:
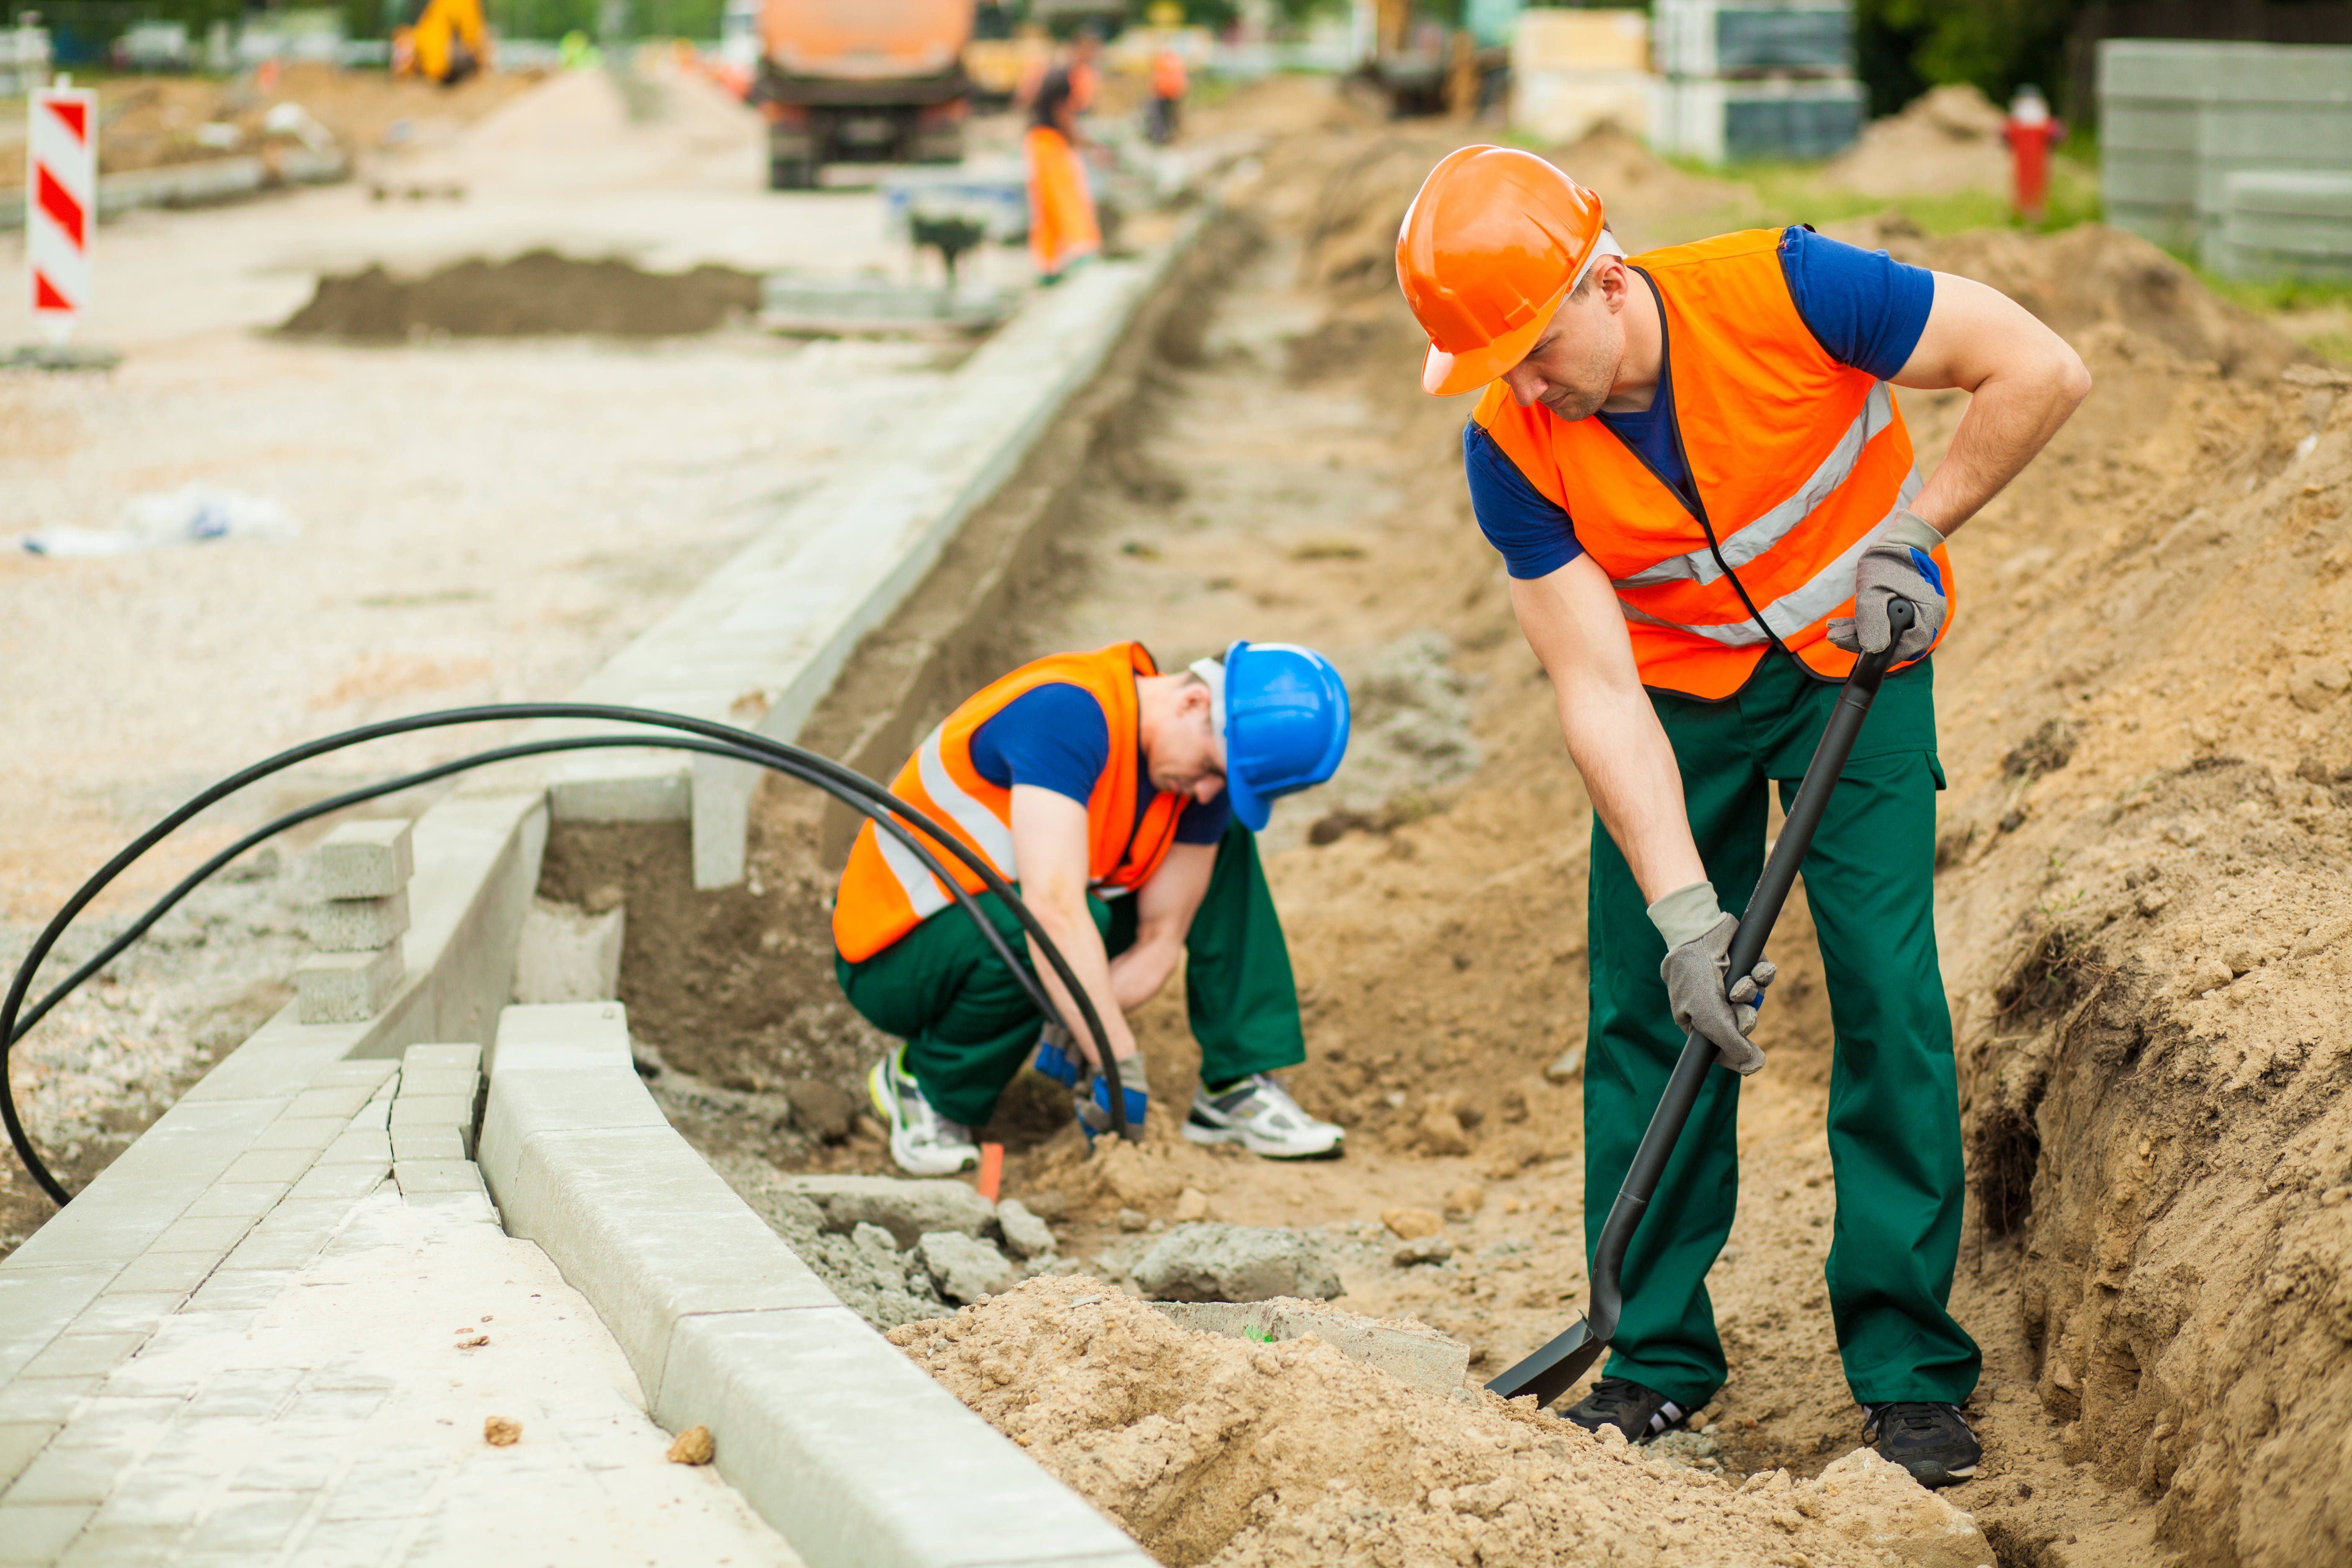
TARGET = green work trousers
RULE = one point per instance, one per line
(1894, 1108)
(969, 1025)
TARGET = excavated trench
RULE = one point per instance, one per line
(2144, 851)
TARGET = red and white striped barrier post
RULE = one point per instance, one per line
(60, 204)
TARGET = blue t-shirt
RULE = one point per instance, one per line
(1057, 738)
(1865, 310)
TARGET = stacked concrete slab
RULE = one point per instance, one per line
(2179, 118)
(1756, 79)
(362, 872)
(2278, 225)
(1571, 70)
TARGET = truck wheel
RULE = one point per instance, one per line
(791, 175)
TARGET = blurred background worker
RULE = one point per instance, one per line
(1693, 467)
(1169, 84)
(1062, 225)
(1125, 804)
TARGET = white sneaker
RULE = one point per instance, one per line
(924, 1142)
(1259, 1115)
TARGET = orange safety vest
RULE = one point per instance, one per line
(1168, 75)
(1795, 457)
(885, 890)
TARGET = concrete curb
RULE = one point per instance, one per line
(760, 641)
(476, 866)
(205, 184)
(835, 1437)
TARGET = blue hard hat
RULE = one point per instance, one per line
(1282, 712)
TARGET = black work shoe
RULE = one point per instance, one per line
(1933, 1442)
(1640, 1413)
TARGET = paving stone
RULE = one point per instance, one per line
(1235, 1263)
(248, 1524)
(35, 1303)
(347, 987)
(432, 1110)
(311, 1134)
(437, 1177)
(376, 1113)
(352, 1182)
(462, 1083)
(364, 860)
(372, 1072)
(215, 1235)
(347, 1544)
(83, 1355)
(271, 1166)
(319, 1408)
(250, 1199)
(104, 1545)
(150, 1496)
(258, 1391)
(283, 1251)
(442, 1058)
(135, 1423)
(19, 1441)
(356, 925)
(206, 1446)
(152, 1377)
(314, 1218)
(341, 1100)
(43, 1399)
(382, 1491)
(131, 1312)
(289, 1465)
(244, 1290)
(38, 1532)
(358, 1145)
(71, 1475)
(432, 1141)
(152, 1271)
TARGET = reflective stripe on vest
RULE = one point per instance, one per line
(1797, 460)
(885, 892)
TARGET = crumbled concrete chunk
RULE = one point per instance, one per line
(904, 1208)
(965, 1269)
(1025, 1234)
(1235, 1263)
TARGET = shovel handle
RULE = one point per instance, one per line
(1551, 1372)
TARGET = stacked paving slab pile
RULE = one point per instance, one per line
(361, 870)
(1756, 79)
(1571, 70)
(2240, 152)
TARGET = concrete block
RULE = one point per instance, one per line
(341, 1100)
(436, 1141)
(567, 954)
(432, 1110)
(366, 1146)
(19, 1441)
(1235, 1263)
(445, 1082)
(624, 786)
(822, 1425)
(437, 1177)
(347, 987)
(907, 1209)
(38, 1532)
(459, 1058)
(308, 1134)
(365, 859)
(1422, 1357)
(357, 925)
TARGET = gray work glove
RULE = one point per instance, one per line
(1699, 956)
(1898, 562)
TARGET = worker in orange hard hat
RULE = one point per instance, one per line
(1693, 465)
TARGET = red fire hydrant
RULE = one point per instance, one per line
(2031, 132)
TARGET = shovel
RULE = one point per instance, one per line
(1553, 1370)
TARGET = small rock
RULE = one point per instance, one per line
(1025, 1234)
(1569, 1064)
(2151, 900)
(1422, 1249)
(1192, 1204)
(693, 1447)
(1876, 1503)
(2207, 976)
(1132, 1220)
(1235, 1263)
(1412, 1224)
(1442, 1133)
(907, 1209)
(500, 1433)
(965, 1269)
(820, 1110)
(2240, 956)
(1465, 1201)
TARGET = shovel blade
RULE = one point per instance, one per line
(1553, 1370)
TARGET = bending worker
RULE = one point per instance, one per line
(1693, 467)
(1124, 804)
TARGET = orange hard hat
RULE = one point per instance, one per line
(1490, 247)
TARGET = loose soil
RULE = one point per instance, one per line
(535, 294)
(2142, 869)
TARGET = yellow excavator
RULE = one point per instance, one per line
(447, 43)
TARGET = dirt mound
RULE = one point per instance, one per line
(537, 293)
(1217, 1450)
(1636, 185)
(1948, 140)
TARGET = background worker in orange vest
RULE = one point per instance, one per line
(1124, 804)
(1168, 84)
(1063, 229)
(1703, 495)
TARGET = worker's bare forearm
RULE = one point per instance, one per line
(1137, 974)
(2023, 379)
(1577, 629)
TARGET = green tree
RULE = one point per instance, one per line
(1905, 47)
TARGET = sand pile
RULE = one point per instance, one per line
(537, 293)
(1947, 140)
(1218, 1450)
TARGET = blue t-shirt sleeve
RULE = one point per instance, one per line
(1054, 737)
(1534, 533)
(1864, 307)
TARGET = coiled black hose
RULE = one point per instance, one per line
(887, 812)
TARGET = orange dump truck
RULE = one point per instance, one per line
(861, 80)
